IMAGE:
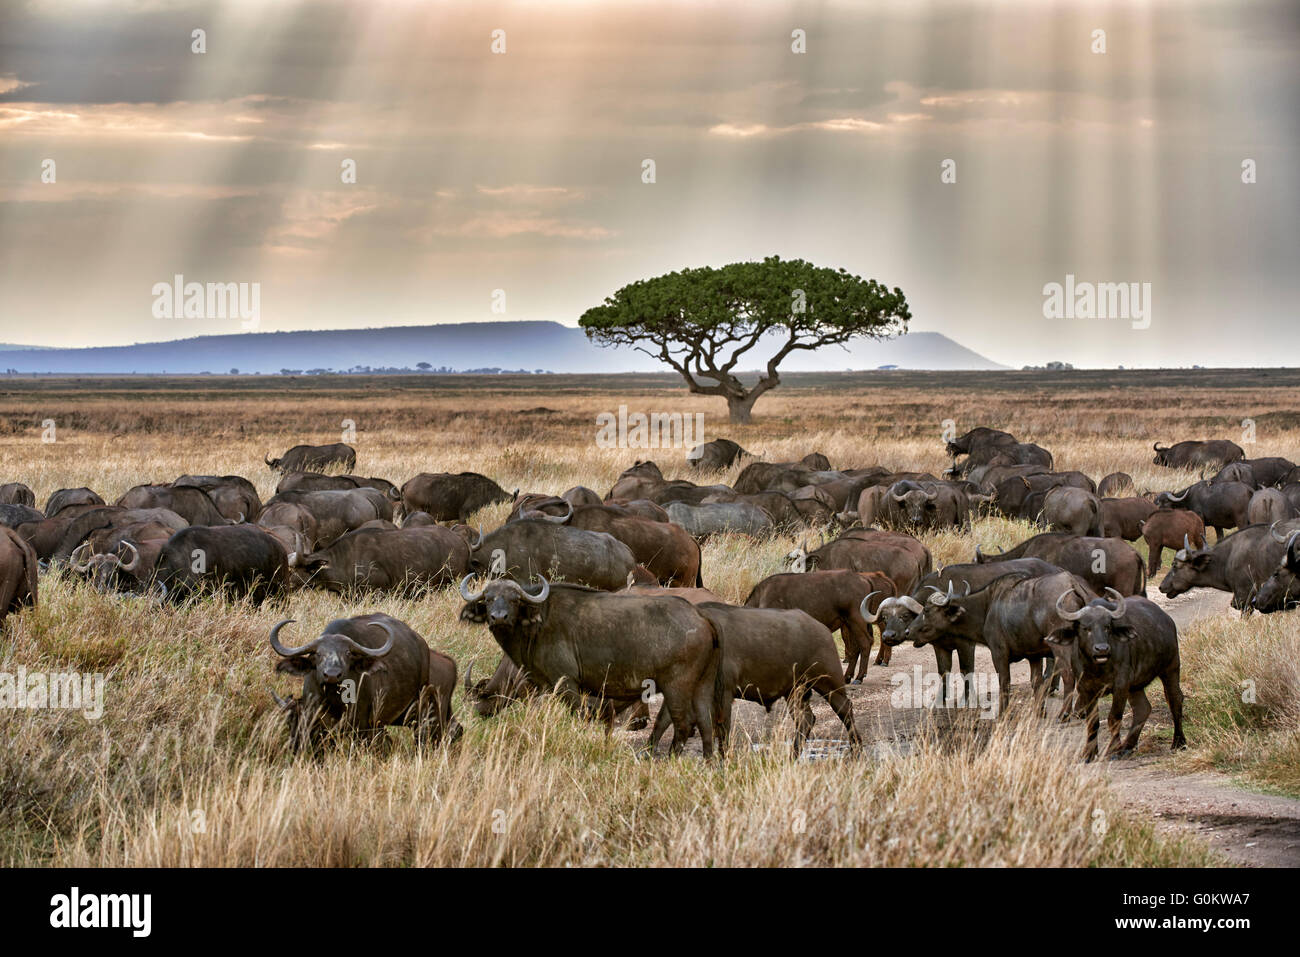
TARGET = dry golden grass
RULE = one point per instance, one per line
(189, 726)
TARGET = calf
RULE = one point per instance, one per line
(1121, 646)
(1170, 528)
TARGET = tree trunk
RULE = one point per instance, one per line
(740, 407)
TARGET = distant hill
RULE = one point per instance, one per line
(459, 347)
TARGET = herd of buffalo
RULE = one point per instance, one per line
(601, 599)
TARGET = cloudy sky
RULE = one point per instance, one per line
(522, 170)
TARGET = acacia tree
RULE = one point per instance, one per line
(703, 322)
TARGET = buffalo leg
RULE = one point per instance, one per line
(661, 725)
(853, 652)
(1115, 719)
(843, 708)
(703, 704)
(1174, 695)
(1155, 558)
(943, 660)
(680, 708)
(801, 711)
(1137, 700)
(966, 659)
(1003, 665)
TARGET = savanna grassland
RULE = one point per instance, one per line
(188, 766)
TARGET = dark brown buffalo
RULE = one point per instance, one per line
(1073, 510)
(770, 655)
(1221, 505)
(639, 481)
(1170, 528)
(1120, 646)
(315, 458)
(929, 506)
(295, 517)
(581, 495)
(1282, 589)
(318, 482)
(121, 558)
(237, 559)
(893, 615)
(1011, 616)
(715, 456)
(1268, 506)
(190, 503)
(364, 674)
(980, 437)
(233, 495)
(1101, 562)
(338, 511)
(1113, 484)
(527, 548)
(451, 497)
(18, 574)
(85, 522)
(1239, 564)
(666, 549)
(64, 497)
(1214, 453)
(11, 516)
(902, 558)
(608, 649)
(1123, 517)
(16, 493)
(835, 598)
(383, 559)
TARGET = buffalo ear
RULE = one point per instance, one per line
(474, 611)
(300, 665)
(1201, 559)
(1064, 636)
(370, 666)
(1122, 632)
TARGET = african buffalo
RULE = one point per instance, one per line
(121, 558)
(1214, 453)
(314, 458)
(835, 598)
(16, 493)
(1221, 505)
(526, 548)
(64, 497)
(1123, 517)
(1239, 564)
(610, 649)
(451, 497)
(364, 674)
(702, 521)
(239, 559)
(338, 511)
(378, 559)
(769, 655)
(190, 503)
(1114, 483)
(1269, 505)
(1282, 588)
(1072, 510)
(1120, 646)
(715, 456)
(233, 495)
(893, 615)
(1101, 562)
(1011, 616)
(929, 506)
(902, 558)
(18, 574)
(1170, 528)
(665, 548)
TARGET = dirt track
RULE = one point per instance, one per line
(1247, 828)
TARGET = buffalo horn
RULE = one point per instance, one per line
(464, 590)
(280, 649)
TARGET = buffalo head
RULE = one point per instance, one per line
(330, 659)
(1185, 572)
(502, 603)
(1096, 627)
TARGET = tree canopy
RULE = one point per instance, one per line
(704, 322)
